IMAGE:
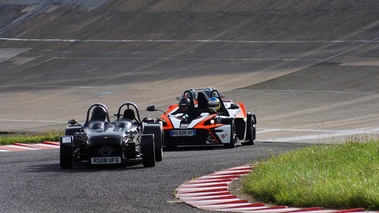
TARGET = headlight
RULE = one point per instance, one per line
(210, 122)
(66, 139)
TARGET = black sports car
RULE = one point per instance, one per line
(99, 141)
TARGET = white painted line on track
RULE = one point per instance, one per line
(208, 202)
(185, 41)
(204, 184)
(208, 197)
(311, 137)
(322, 134)
(17, 148)
(187, 195)
(39, 146)
(202, 189)
(38, 121)
(25, 147)
(197, 181)
(58, 86)
(351, 131)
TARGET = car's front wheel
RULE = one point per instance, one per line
(65, 157)
(157, 130)
(148, 150)
(233, 137)
(250, 131)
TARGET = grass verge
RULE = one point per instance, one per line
(329, 176)
(11, 138)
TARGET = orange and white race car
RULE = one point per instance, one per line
(202, 117)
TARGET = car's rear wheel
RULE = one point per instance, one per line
(251, 130)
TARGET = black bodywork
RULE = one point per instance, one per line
(99, 141)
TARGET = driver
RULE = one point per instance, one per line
(185, 107)
(98, 119)
(214, 105)
(99, 114)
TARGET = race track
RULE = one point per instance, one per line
(307, 69)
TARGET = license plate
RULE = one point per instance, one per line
(183, 133)
(106, 160)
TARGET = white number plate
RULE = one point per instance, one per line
(106, 160)
(183, 132)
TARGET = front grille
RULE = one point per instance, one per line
(105, 150)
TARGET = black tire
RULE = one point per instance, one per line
(251, 130)
(233, 137)
(159, 154)
(157, 130)
(148, 152)
(65, 157)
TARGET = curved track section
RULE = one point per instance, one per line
(211, 192)
(36, 183)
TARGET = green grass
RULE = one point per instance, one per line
(329, 176)
(11, 138)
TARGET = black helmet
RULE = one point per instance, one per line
(99, 113)
(184, 102)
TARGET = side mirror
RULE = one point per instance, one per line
(72, 122)
(151, 108)
(234, 106)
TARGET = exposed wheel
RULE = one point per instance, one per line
(157, 130)
(148, 150)
(233, 137)
(65, 157)
(158, 154)
(251, 131)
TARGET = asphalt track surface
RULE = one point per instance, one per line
(308, 69)
(37, 184)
